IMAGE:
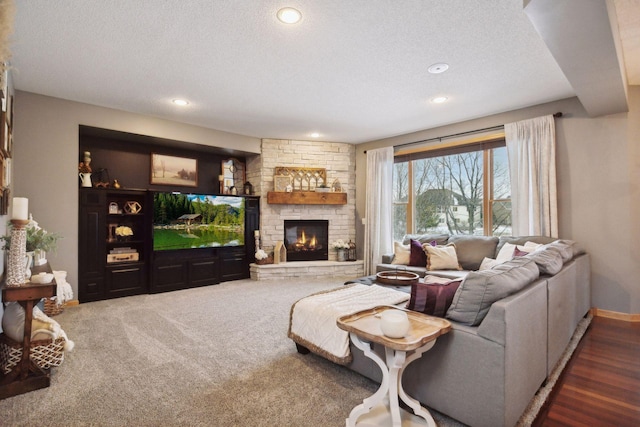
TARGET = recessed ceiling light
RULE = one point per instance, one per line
(438, 68)
(315, 135)
(289, 15)
(439, 99)
(181, 102)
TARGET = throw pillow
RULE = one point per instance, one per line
(509, 251)
(417, 258)
(433, 296)
(488, 263)
(517, 252)
(480, 289)
(441, 257)
(506, 253)
(401, 254)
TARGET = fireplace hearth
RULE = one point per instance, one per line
(306, 240)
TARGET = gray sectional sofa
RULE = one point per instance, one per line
(486, 374)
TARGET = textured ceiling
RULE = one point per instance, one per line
(353, 71)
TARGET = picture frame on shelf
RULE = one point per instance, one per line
(281, 182)
(174, 170)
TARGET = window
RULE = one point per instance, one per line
(465, 190)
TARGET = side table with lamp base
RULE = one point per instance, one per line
(26, 375)
(382, 408)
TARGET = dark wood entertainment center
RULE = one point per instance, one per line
(139, 269)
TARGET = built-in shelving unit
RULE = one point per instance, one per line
(112, 265)
(114, 244)
(306, 198)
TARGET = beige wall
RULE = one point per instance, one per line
(598, 168)
(46, 159)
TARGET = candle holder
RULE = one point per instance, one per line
(17, 253)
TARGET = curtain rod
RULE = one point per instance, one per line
(555, 115)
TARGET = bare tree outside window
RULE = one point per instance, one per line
(400, 199)
(447, 194)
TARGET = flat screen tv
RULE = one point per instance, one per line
(188, 221)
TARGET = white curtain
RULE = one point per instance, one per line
(531, 148)
(378, 234)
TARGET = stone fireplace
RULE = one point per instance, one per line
(306, 240)
(339, 161)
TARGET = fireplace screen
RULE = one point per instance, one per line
(306, 240)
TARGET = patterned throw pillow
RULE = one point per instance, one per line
(434, 296)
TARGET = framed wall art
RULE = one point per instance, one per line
(173, 170)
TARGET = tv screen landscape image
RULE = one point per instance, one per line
(187, 221)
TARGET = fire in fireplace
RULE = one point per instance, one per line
(306, 240)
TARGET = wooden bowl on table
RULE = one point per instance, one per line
(398, 278)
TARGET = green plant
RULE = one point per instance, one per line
(37, 238)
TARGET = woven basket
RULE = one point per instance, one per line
(267, 260)
(51, 307)
(44, 353)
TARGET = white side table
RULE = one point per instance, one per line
(382, 408)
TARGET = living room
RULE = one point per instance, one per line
(597, 161)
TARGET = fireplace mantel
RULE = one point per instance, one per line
(306, 198)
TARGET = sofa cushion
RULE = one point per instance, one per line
(417, 258)
(548, 260)
(480, 289)
(471, 250)
(441, 257)
(401, 254)
(564, 247)
(434, 296)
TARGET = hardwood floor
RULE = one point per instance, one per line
(601, 383)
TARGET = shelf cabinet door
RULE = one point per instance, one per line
(91, 249)
(169, 275)
(203, 271)
(126, 279)
(233, 264)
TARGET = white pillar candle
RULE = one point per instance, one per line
(20, 208)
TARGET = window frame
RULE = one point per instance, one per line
(485, 143)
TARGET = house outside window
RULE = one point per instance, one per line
(461, 191)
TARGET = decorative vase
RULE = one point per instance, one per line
(16, 268)
(27, 265)
(85, 179)
(341, 255)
